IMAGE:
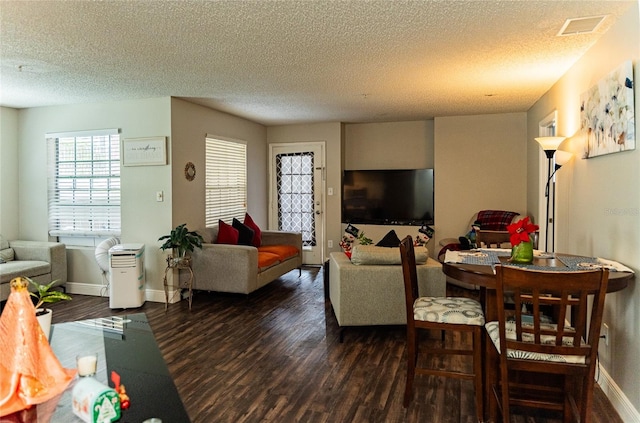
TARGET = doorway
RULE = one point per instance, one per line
(296, 194)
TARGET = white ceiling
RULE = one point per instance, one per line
(282, 62)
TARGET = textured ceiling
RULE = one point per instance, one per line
(282, 62)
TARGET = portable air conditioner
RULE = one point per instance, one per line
(126, 276)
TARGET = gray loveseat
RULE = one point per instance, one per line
(235, 268)
(372, 291)
(38, 260)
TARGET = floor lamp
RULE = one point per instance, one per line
(561, 158)
(549, 145)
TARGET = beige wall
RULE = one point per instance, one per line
(480, 164)
(389, 145)
(331, 134)
(190, 123)
(9, 183)
(143, 218)
(598, 202)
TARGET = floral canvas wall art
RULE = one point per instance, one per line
(607, 114)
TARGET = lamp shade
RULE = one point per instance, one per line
(563, 157)
(550, 143)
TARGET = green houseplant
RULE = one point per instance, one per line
(181, 240)
(46, 294)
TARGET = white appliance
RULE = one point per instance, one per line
(126, 276)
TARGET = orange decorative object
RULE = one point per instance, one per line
(125, 401)
(30, 373)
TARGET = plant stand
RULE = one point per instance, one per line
(178, 263)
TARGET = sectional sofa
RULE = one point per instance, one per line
(38, 260)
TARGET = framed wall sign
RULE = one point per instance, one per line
(150, 151)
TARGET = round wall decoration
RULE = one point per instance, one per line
(190, 171)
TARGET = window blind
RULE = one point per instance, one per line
(225, 181)
(84, 183)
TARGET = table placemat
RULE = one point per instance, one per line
(575, 262)
(543, 268)
(482, 257)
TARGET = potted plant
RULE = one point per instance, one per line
(181, 240)
(45, 294)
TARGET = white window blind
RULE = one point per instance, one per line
(226, 181)
(84, 183)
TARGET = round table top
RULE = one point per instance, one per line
(484, 276)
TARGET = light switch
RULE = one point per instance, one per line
(159, 196)
(329, 191)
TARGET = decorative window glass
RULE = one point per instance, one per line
(296, 213)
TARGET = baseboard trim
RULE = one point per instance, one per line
(152, 295)
(618, 399)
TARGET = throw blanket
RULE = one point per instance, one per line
(495, 220)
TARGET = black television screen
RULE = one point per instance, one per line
(394, 197)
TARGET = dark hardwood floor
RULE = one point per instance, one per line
(275, 356)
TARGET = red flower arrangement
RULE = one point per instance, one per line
(521, 231)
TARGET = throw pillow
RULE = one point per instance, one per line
(257, 233)
(7, 254)
(389, 240)
(227, 234)
(245, 233)
(374, 255)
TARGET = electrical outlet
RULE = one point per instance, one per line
(605, 333)
(330, 243)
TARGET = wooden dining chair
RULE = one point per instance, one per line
(443, 314)
(527, 347)
(498, 239)
(492, 239)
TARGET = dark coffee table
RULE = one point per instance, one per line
(125, 344)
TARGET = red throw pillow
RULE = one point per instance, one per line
(257, 233)
(227, 234)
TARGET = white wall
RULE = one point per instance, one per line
(480, 164)
(598, 202)
(9, 183)
(331, 134)
(143, 219)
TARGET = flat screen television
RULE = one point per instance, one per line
(391, 197)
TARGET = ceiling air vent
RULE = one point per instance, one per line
(581, 25)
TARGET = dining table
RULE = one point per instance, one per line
(477, 267)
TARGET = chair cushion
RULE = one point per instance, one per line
(454, 310)
(493, 329)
